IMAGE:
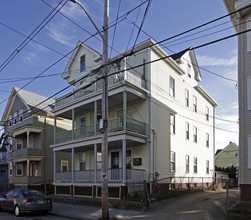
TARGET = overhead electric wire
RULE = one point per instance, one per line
(33, 34)
(165, 56)
(133, 28)
(143, 20)
(115, 28)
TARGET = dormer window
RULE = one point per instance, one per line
(189, 70)
(15, 117)
(82, 63)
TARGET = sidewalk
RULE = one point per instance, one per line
(89, 212)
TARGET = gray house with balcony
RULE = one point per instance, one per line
(28, 120)
(147, 115)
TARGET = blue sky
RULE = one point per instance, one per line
(164, 19)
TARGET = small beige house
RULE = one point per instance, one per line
(27, 118)
(160, 122)
(228, 157)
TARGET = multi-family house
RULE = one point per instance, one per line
(29, 124)
(242, 22)
(227, 157)
(161, 122)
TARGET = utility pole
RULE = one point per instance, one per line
(104, 185)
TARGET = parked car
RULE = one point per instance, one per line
(24, 201)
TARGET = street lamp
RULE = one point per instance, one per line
(104, 185)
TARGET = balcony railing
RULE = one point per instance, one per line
(88, 176)
(113, 126)
(112, 80)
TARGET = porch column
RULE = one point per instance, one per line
(124, 160)
(54, 165)
(72, 164)
(95, 163)
(72, 121)
(55, 129)
(95, 117)
(124, 110)
(28, 139)
(28, 168)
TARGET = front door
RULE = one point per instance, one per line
(115, 165)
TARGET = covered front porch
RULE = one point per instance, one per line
(82, 164)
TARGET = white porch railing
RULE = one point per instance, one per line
(88, 176)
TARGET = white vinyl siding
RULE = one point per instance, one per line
(249, 151)
(249, 92)
(248, 35)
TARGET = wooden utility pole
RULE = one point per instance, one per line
(104, 185)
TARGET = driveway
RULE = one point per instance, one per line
(203, 205)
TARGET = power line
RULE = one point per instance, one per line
(34, 33)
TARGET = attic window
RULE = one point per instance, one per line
(82, 63)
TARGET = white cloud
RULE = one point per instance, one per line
(59, 32)
(204, 60)
(72, 10)
(30, 58)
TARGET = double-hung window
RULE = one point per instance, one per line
(64, 165)
(21, 113)
(187, 164)
(82, 63)
(207, 166)
(195, 167)
(189, 70)
(195, 104)
(187, 130)
(19, 170)
(15, 118)
(172, 161)
(186, 98)
(82, 121)
(207, 113)
(10, 120)
(19, 144)
(207, 140)
(172, 86)
(172, 123)
(82, 161)
(195, 134)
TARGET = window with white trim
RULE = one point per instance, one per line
(99, 159)
(15, 118)
(195, 167)
(21, 114)
(187, 130)
(19, 169)
(82, 121)
(186, 98)
(82, 161)
(207, 166)
(249, 92)
(195, 103)
(248, 35)
(207, 113)
(189, 70)
(19, 144)
(172, 161)
(187, 164)
(195, 134)
(172, 86)
(207, 140)
(172, 123)
(64, 165)
(10, 120)
(10, 169)
(82, 63)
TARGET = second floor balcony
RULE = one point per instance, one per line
(114, 125)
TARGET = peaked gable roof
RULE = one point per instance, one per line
(222, 151)
(31, 101)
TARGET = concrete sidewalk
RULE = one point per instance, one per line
(89, 212)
